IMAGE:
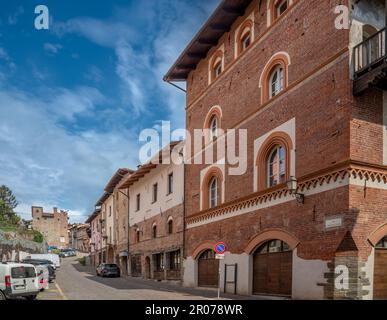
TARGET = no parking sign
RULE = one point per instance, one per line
(220, 248)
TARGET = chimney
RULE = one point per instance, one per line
(55, 210)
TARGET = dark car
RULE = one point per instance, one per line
(47, 263)
(108, 270)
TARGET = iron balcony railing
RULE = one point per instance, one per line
(370, 52)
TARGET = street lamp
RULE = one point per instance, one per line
(292, 185)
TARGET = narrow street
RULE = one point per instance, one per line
(77, 282)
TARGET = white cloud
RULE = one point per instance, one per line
(52, 48)
(46, 165)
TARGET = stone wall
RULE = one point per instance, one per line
(14, 248)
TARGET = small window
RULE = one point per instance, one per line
(276, 167)
(138, 236)
(214, 128)
(281, 7)
(155, 192)
(277, 81)
(170, 226)
(214, 192)
(138, 202)
(154, 232)
(246, 41)
(110, 211)
(217, 69)
(170, 183)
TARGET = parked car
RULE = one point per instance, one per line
(67, 253)
(54, 258)
(18, 280)
(43, 276)
(108, 270)
(46, 263)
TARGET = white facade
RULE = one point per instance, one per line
(165, 201)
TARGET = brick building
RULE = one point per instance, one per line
(53, 226)
(156, 193)
(313, 198)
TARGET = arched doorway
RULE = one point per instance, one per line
(208, 269)
(380, 270)
(272, 270)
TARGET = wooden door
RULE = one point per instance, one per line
(380, 274)
(272, 272)
(208, 270)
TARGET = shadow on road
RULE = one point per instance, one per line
(141, 284)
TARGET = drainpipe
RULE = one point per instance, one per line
(128, 226)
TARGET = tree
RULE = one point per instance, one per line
(8, 203)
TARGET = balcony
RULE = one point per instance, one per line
(370, 64)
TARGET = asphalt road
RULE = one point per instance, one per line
(76, 282)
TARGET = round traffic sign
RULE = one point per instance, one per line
(220, 248)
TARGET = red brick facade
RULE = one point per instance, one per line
(338, 147)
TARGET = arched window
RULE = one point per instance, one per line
(217, 69)
(170, 226)
(274, 77)
(245, 41)
(214, 193)
(154, 231)
(212, 124)
(216, 65)
(276, 81)
(214, 127)
(281, 7)
(273, 160)
(276, 166)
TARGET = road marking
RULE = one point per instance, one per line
(60, 291)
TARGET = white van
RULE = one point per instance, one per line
(54, 258)
(43, 277)
(18, 280)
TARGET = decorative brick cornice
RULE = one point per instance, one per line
(333, 174)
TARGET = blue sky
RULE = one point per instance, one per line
(74, 98)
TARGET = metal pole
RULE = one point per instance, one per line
(219, 281)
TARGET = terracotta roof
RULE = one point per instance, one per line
(146, 168)
(115, 180)
(93, 216)
(220, 22)
(103, 198)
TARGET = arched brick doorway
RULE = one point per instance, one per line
(272, 269)
(208, 269)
